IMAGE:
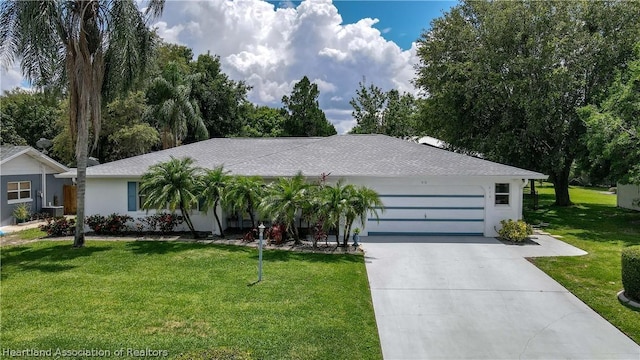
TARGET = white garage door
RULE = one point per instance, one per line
(430, 210)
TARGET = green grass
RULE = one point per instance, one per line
(29, 234)
(184, 297)
(596, 225)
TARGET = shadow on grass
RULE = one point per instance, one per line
(48, 259)
(168, 247)
(284, 255)
(587, 221)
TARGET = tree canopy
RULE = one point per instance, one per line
(379, 112)
(505, 78)
(303, 114)
(613, 127)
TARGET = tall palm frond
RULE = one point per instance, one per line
(173, 183)
(212, 187)
(243, 195)
(90, 48)
(171, 106)
(284, 200)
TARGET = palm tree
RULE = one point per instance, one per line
(334, 201)
(94, 49)
(284, 200)
(243, 194)
(213, 184)
(361, 201)
(174, 184)
(171, 106)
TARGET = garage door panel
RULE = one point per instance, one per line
(430, 210)
(432, 201)
(427, 227)
(431, 213)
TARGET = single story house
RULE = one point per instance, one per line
(628, 196)
(28, 176)
(425, 190)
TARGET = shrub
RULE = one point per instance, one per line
(516, 231)
(22, 212)
(59, 226)
(112, 224)
(631, 272)
(164, 222)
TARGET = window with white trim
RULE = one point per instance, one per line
(141, 197)
(502, 194)
(18, 191)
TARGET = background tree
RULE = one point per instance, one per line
(509, 89)
(613, 128)
(221, 100)
(124, 133)
(29, 116)
(368, 106)
(284, 200)
(262, 121)
(243, 195)
(171, 107)
(379, 112)
(173, 183)
(94, 49)
(303, 114)
(213, 184)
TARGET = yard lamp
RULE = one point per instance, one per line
(261, 230)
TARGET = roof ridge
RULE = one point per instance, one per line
(317, 139)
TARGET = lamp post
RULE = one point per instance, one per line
(261, 229)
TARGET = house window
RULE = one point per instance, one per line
(141, 197)
(502, 194)
(18, 191)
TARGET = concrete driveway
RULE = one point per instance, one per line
(476, 298)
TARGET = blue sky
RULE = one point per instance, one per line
(272, 45)
(400, 21)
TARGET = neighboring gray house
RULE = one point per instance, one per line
(27, 176)
(628, 196)
(425, 190)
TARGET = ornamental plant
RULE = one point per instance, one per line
(110, 225)
(516, 231)
(163, 222)
(59, 226)
(631, 272)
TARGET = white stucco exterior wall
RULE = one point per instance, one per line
(106, 196)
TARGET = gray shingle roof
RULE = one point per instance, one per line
(8, 151)
(340, 155)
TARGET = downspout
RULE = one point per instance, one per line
(521, 198)
(43, 199)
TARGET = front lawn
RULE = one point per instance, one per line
(597, 226)
(183, 297)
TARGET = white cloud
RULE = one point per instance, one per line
(271, 48)
(11, 78)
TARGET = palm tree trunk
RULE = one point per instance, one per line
(81, 153)
(215, 214)
(187, 219)
(253, 221)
